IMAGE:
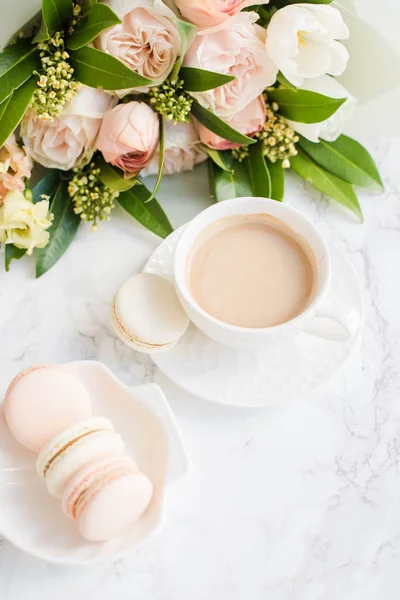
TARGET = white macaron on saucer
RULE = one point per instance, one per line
(252, 379)
(31, 518)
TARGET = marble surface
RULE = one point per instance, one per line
(298, 502)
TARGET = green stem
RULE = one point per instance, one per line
(160, 162)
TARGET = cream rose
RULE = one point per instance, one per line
(129, 136)
(332, 128)
(302, 41)
(15, 167)
(236, 47)
(147, 41)
(24, 223)
(248, 121)
(207, 13)
(182, 150)
(69, 140)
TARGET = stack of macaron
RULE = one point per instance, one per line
(80, 457)
(147, 315)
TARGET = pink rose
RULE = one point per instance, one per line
(69, 140)
(129, 136)
(207, 13)
(147, 41)
(182, 150)
(15, 166)
(248, 121)
(236, 47)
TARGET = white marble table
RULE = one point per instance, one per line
(299, 502)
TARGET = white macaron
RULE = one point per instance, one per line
(147, 315)
(74, 448)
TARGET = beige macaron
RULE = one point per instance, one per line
(147, 315)
(75, 447)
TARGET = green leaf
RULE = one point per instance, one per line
(46, 186)
(149, 214)
(3, 108)
(325, 182)
(304, 106)
(17, 63)
(282, 3)
(264, 13)
(226, 185)
(187, 33)
(113, 177)
(200, 80)
(62, 231)
(222, 158)
(347, 159)
(99, 17)
(57, 14)
(13, 109)
(257, 169)
(89, 3)
(285, 82)
(12, 253)
(42, 35)
(98, 69)
(218, 126)
(277, 174)
(160, 162)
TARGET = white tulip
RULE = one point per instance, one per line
(331, 128)
(302, 41)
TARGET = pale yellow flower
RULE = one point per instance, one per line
(24, 223)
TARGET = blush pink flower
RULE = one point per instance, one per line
(237, 48)
(147, 41)
(15, 167)
(207, 13)
(248, 121)
(68, 141)
(129, 136)
(182, 150)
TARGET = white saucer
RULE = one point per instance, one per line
(33, 520)
(244, 378)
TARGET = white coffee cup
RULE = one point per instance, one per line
(323, 317)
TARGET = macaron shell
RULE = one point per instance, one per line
(134, 342)
(98, 470)
(89, 448)
(148, 309)
(42, 401)
(66, 437)
(115, 507)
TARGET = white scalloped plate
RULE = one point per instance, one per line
(256, 379)
(33, 520)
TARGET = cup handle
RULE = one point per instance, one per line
(334, 321)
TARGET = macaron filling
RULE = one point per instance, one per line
(97, 485)
(66, 447)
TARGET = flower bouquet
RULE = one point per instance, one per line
(103, 94)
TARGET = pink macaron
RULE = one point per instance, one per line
(42, 401)
(106, 497)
